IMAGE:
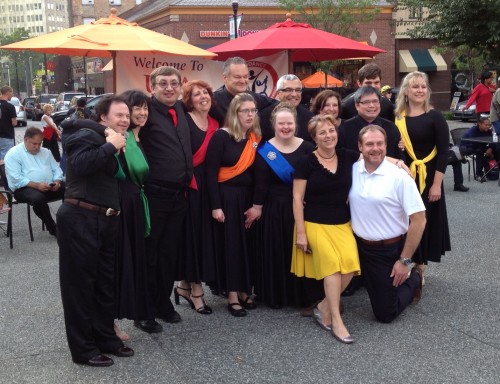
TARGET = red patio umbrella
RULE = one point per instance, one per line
(300, 40)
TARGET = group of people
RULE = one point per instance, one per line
(264, 201)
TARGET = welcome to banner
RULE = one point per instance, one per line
(133, 70)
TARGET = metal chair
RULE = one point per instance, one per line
(5, 190)
(456, 137)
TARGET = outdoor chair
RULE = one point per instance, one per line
(456, 137)
(6, 191)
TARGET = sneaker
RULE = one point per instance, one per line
(460, 188)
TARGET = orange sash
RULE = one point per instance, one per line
(245, 161)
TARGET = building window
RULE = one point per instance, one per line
(88, 20)
(415, 13)
(87, 2)
(115, 2)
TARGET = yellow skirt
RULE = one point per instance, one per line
(333, 250)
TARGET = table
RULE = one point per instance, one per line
(484, 140)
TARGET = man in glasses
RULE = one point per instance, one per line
(167, 145)
(236, 80)
(290, 90)
(369, 74)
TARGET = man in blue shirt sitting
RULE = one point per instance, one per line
(484, 152)
(34, 176)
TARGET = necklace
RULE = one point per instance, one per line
(326, 158)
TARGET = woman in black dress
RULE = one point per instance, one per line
(198, 263)
(328, 102)
(426, 137)
(230, 157)
(275, 285)
(131, 267)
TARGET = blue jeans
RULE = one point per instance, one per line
(496, 125)
(5, 145)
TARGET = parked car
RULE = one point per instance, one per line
(40, 101)
(29, 106)
(59, 116)
(460, 113)
(63, 99)
(21, 113)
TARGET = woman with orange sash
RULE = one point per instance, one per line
(275, 164)
(230, 157)
(426, 136)
(198, 263)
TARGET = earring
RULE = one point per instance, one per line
(406, 99)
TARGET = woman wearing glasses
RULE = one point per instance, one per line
(230, 157)
(274, 168)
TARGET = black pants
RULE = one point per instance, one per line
(167, 209)
(458, 176)
(87, 277)
(53, 145)
(376, 266)
(39, 201)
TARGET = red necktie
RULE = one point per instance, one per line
(173, 115)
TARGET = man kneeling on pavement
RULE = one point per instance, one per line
(34, 176)
(388, 219)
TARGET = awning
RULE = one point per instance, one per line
(424, 60)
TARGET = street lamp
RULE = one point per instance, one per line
(235, 17)
(31, 75)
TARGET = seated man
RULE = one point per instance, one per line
(484, 152)
(34, 176)
(456, 161)
(388, 219)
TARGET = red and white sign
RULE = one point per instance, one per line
(133, 69)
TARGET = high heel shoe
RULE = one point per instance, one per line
(204, 309)
(247, 304)
(177, 295)
(236, 312)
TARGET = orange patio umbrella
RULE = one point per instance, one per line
(320, 79)
(106, 36)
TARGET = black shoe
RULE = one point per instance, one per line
(460, 188)
(53, 231)
(172, 317)
(149, 326)
(98, 361)
(236, 312)
(247, 304)
(122, 351)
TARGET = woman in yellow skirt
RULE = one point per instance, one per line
(325, 245)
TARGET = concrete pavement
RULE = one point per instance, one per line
(451, 336)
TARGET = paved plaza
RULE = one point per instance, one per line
(451, 336)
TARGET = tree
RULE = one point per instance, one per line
(474, 24)
(337, 16)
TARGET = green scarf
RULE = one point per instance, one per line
(138, 169)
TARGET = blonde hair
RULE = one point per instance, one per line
(286, 107)
(46, 107)
(232, 120)
(319, 120)
(402, 99)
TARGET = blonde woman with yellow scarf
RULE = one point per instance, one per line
(426, 137)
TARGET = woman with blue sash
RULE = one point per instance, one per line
(274, 284)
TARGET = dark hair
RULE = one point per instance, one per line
(103, 106)
(135, 98)
(371, 128)
(483, 118)
(321, 98)
(365, 90)
(187, 92)
(369, 71)
(81, 102)
(164, 71)
(32, 132)
(485, 75)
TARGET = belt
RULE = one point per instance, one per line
(92, 207)
(381, 243)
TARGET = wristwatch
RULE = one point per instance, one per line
(406, 261)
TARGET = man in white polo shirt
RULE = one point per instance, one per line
(388, 219)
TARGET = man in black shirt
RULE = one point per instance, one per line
(290, 90)
(8, 120)
(88, 227)
(167, 145)
(369, 74)
(367, 101)
(236, 78)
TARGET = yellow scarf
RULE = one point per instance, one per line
(417, 166)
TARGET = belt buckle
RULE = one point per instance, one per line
(112, 212)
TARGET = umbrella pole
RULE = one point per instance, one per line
(113, 54)
(290, 63)
(85, 76)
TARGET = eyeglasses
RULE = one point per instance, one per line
(290, 90)
(166, 84)
(369, 102)
(248, 111)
